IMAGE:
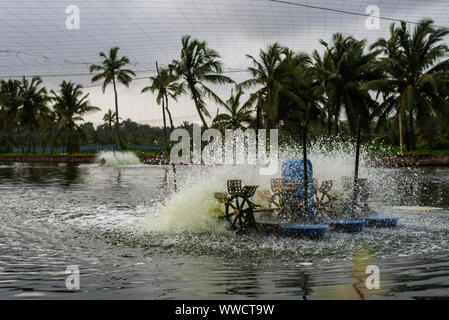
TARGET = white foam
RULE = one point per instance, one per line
(193, 208)
(118, 158)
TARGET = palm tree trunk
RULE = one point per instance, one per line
(165, 125)
(117, 125)
(30, 135)
(169, 113)
(329, 124)
(411, 133)
(195, 99)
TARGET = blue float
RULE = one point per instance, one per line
(346, 225)
(381, 222)
(293, 172)
(298, 230)
(313, 231)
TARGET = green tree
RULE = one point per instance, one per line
(112, 70)
(198, 66)
(10, 103)
(238, 116)
(268, 75)
(34, 107)
(297, 80)
(342, 71)
(108, 122)
(165, 85)
(109, 119)
(70, 105)
(416, 67)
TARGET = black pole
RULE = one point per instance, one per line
(356, 169)
(174, 176)
(304, 155)
(259, 101)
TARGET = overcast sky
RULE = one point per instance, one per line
(34, 39)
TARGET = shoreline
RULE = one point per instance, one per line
(386, 161)
(77, 159)
(440, 160)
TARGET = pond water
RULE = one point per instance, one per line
(133, 237)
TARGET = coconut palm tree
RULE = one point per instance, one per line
(263, 75)
(70, 105)
(268, 74)
(416, 67)
(297, 79)
(238, 116)
(112, 70)
(108, 121)
(343, 70)
(109, 118)
(49, 132)
(34, 106)
(198, 66)
(10, 103)
(165, 85)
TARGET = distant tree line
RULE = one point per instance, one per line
(397, 89)
(132, 133)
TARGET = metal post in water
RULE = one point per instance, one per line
(356, 169)
(304, 155)
(174, 177)
(400, 133)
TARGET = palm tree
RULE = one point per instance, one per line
(165, 84)
(416, 71)
(268, 75)
(49, 132)
(109, 118)
(237, 115)
(70, 105)
(10, 103)
(198, 66)
(342, 71)
(34, 106)
(112, 70)
(298, 81)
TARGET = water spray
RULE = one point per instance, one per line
(174, 176)
(356, 169)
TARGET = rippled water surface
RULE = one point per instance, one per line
(132, 237)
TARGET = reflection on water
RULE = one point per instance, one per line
(52, 216)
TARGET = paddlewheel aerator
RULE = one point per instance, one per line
(239, 209)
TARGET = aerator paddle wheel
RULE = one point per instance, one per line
(281, 200)
(239, 209)
(283, 210)
(325, 202)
